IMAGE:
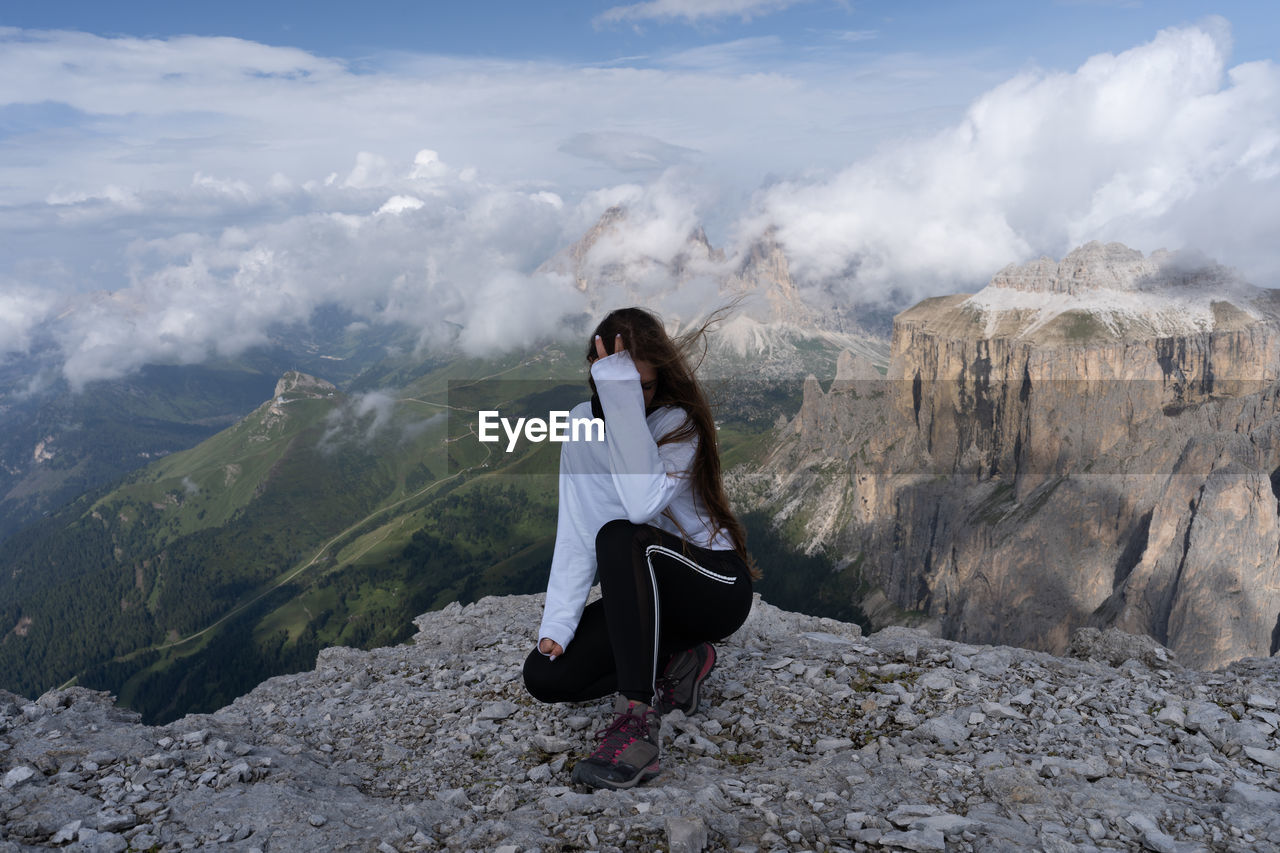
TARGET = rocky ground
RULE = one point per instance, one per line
(810, 737)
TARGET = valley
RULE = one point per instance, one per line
(325, 517)
(1081, 443)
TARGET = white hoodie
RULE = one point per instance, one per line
(626, 476)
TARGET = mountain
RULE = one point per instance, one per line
(613, 264)
(58, 442)
(355, 497)
(1094, 441)
(773, 332)
(810, 736)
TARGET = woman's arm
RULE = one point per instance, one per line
(573, 564)
(647, 477)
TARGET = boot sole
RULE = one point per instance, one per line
(586, 777)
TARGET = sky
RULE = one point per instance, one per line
(176, 178)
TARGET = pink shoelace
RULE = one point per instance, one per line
(627, 728)
(667, 690)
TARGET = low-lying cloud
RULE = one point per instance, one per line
(363, 418)
(22, 309)
(360, 418)
(447, 254)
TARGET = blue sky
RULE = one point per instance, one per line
(1013, 32)
(219, 167)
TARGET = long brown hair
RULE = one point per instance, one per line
(644, 336)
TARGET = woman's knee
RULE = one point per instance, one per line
(620, 536)
(616, 534)
(555, 682)
(539, 680)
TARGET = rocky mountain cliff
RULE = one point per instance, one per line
(1094, 441)
(810, 737)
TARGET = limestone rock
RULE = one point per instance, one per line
(1115, 647)
(810, 736)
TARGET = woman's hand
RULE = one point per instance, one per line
(617, 346)
(648, 374)
(550, 648)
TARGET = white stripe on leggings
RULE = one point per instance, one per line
(676, 555)
(653, 580)
(657, 622)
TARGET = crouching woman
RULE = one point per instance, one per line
(646, 509)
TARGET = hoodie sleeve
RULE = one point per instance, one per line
(647, 477)
(573, 564)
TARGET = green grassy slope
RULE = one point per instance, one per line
(57, 442)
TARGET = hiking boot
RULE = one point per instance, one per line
(682, 679)
(628, 750)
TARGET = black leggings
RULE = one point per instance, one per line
(700, 595)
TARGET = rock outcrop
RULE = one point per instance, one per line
(1090, 442)
(810, 737)
(295, 385)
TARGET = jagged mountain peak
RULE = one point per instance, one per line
(1073, 452)
(764, 249)
(625, 258)
(763, 270)
(621, 251)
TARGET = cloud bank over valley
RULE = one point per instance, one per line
(170, 200)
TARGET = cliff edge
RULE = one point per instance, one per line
(810, 737)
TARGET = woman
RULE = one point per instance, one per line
(646, 509)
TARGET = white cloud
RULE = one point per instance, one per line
(693, 10)
(22, 309)
(143, 115)
(371, 170)
(857, 35)
(427, 166)
(300, 183)
(364, 417)
(400, 204)
(455, 259)
(646, 251)
(360, 418)
(1161, 145)
(412, 430)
